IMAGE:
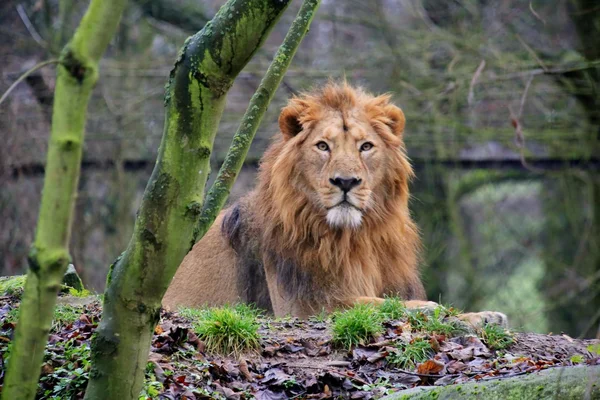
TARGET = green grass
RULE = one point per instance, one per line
(357, 325)
(322, 316)
(438, 322)
(226, 330)
(496, 337)
(64, 315)
(393, 308)
(197, 314)
(408, 355)
(193, 314)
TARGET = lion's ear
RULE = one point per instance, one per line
(395, 118)
(289, 119)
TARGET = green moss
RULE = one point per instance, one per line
(564, 383)
(12, 285)
(79, 293)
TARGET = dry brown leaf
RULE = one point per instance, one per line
(245, 371)
(430, 367)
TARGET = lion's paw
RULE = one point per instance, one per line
(478, 319)
(420, 305)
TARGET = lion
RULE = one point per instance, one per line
(328, 224)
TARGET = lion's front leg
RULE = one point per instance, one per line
(476, 319)
(410, 304)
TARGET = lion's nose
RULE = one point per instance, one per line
(346, 184)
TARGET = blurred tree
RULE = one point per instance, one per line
(586, 83)
(185, 14)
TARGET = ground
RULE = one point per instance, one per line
(300, 359)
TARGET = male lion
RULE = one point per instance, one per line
(328, 224)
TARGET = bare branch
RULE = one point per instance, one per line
(25, 75)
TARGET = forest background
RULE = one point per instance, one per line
(502, 100)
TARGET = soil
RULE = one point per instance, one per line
(296, 360)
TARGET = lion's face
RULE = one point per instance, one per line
(345, 151)
(342, 161)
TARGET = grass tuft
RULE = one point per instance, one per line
(438, 322)
(227, 330)
(64, 315)
(357, 325)
(393, 308)
(496, 337)
(408, 355)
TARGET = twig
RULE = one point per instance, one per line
(30, 28)
(533, 53)
(536, 14)
(524, 96)
(424, 375)
(474, 80)
(540, 71)
(339, 363)
(515, 121)
(511, 375)
(25, 75)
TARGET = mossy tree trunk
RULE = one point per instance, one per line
(195, 97)
(219, 191)
(76, 76)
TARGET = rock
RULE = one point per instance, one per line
(71, 279)
(555, 383)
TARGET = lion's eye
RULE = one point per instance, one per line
(366, 146)
(322, 146)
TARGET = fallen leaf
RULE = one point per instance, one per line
(245, 371)
(430, 367)
(270, 395)
(275, 376)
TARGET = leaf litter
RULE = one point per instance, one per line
(296, 359)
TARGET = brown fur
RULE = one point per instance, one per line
(286, 256)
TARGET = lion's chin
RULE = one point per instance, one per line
(344, 216)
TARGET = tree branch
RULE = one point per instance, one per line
(25, 75)
(259, 103)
